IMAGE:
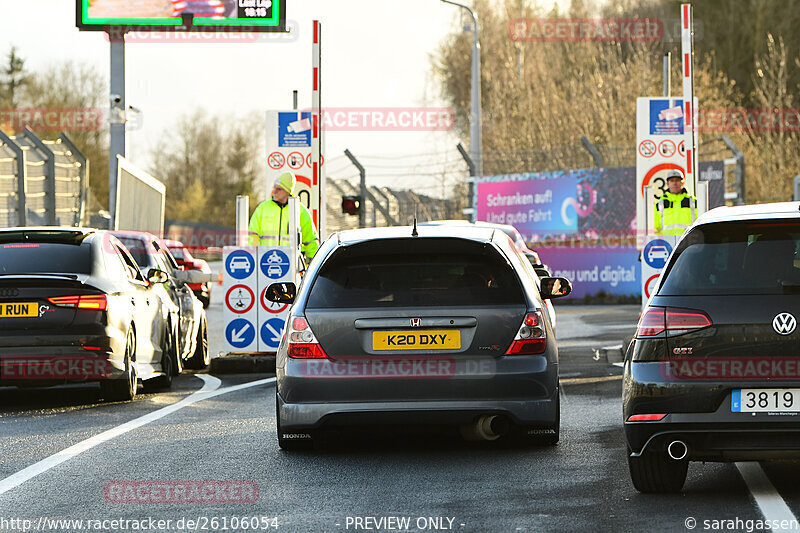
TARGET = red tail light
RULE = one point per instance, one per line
(652, 322)
(302, 342)
(86, 301)
(646, 418)
(675, 321)
(531, 338)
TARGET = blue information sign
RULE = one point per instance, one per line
(272, 331)
(275, 264)
(656, 253)
(240, 264)
(240, 333)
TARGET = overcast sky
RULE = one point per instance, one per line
(375, 53)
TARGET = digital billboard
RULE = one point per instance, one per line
(181, 15)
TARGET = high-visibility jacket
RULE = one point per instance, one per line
(674, 213)
(269, 226)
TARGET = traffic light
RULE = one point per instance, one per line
(351, 205)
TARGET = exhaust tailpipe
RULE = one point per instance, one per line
(486, 427)
(677, 450)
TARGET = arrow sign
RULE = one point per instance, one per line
(240, 333)
(272, 331)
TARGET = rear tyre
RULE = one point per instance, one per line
(168, 363)
(654, 472)
(123, 389)
(292, 441)
(200, 358)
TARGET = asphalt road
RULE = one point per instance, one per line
(207, 449)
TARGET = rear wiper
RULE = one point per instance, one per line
(790, 286)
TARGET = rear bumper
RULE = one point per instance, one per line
(60, 359)
(698, 412)
(298, 417)
(442, 390)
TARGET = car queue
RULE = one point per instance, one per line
(76, 307)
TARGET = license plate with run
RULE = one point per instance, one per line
(765, 400)
(446, 339)
(19, 310)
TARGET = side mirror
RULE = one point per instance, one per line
(555, 287)
(282, 293)
(155, 275)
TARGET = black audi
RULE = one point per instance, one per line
(74, 307)
(714, 371)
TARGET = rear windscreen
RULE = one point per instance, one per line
(45, 258)
(736, 258)
(415, 272)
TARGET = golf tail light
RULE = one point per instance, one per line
(652, 322)
(673, 320)
(302, 342)
(531, 338)
(684, 320)
(87, 301)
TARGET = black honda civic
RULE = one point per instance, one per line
(714, 371)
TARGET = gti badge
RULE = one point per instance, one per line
(416, 322)
(784, 324)
(682, 351)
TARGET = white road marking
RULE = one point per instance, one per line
(772, 506)
(210, 389)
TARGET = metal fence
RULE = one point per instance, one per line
(42, 182)
(384, 206)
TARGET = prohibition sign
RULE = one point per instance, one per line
(652, 172)
(682, 149)
(276, 160)
(240, 301)
(650, 283)
(296, 160)
(667, 148)
(321, 160)
(271, 307)
(647, 148)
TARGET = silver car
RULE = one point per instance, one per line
(444, 326)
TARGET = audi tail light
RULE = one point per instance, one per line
(97, 302)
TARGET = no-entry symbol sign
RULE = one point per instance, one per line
(647, 148)
(276, 160)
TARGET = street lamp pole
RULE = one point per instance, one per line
(475, 150)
